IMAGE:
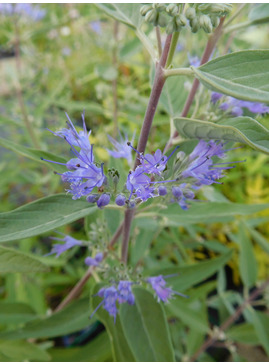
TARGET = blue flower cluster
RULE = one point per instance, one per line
(123, 294)
(151, 178)
(34, 12)
(236, 107)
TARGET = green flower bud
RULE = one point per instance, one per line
(205, 8)
(222, 9)
(190, 13)
(205, 23)
(172, 9)
(151, 16)
(144, 9)
(162, 20)
(171, 27)
(215, 21)
(159, 6)
(194, 25)
(181, 20)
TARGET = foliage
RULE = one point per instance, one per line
(193, 237)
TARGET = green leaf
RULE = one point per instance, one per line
(15, 313)
(13, 261)
(41, 216)
(189, 275)
(191, 314)
(259, 14)
(129, 14)
(243, 333)
(34, 154)
(260, 321)
(259, 239)
(97, 350)
(173, 95)
(242, 129)
(120, 348)
(247, 261)
(145, 328)
(72, 318)
(207, 212)
(22, 351)
(243, 75)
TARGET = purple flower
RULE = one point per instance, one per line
(162, 190)
(176, 191)
(155, 163)
(32, 11)
(96, 26)
(103, 200)
(94, 261)
(58, 249)
(84, 174)
(122, 150)
(125, 293)
(215, 96)
(162, 292)
(194, 60)
(144, 193)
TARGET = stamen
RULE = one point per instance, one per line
(140, 154)
(199, 165)
(176, 148)
(47, 160)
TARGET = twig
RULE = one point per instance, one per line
(206, 55)
(128, 217)
(159, 41)
(211, 340)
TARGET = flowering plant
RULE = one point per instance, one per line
(143, 184)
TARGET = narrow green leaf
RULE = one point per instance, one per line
(97, 350)
(146, 329)
(41, 216)
(189, 275)
(129, 14)
(207, 212)
(13, 261)
(15, 313)
(259, 239)
(120, 348)
(247, 261)
(34, 154)
(22, 351)
(260, 321)
(259, 14)
(72, 318)
(194, 316)
(242, 129)
(243, 75)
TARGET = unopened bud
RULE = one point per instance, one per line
(194, 25)
(151, 16)
(120, 200)
(159, 6)
(215, 21)
(172, 9)
(103, 200)
(205, 23)
(162, 20)
(190, 13)
(181, 20)
(176, 191)
(92, 198)
(144, 9)
(162, 190)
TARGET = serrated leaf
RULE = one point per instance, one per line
(41, 216)
(15, 313)
(128, 14)
(34, 154)
(21, 351)
(259, 14)
(243, 75)
(13, 261)
(241, 129)
(146, 329)
(207, 212)
(72, 318)
(120, 348)
(188, 276)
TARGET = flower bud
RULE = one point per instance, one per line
(103, 200)
(189, 194)
(162, 191)
(92, 198)
(171, 27)
(215, 21)
(159, 6)
(181, 20)
(144, 9)
(176, 191)
(120, 200)
(151, 16)
(162, 20)
(205, 23)
(194, 25)
(190, 13)
(172, 9)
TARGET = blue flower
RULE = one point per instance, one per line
(103, 200)
(120, 200)
(96, 26)
(162, 292)
(84, 174)
(125, 293)
(94, 261)
(122, 149)
(58, 249)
